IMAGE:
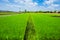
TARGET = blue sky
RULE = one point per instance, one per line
(30, 5)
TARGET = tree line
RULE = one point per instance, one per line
(39, 11)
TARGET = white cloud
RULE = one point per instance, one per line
(49, 1)
(26, 2)
(54, 5)
(51, 5)
(29, 5)
(18, 1)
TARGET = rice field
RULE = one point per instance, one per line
(13, 27)
(46, 26)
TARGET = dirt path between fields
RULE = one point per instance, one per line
(30, 33)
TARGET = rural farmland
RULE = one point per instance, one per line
(29, 19)
(30, 26)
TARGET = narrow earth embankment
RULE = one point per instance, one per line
(30, 33)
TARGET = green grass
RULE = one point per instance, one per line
(13, 27)
(46, 26)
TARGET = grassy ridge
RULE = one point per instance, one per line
(13, 27)
(47, 27)
(30, 33)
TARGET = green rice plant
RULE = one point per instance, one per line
(47, 27)
(13, 27)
